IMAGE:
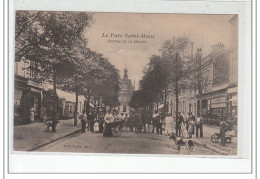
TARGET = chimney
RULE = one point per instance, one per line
(217, 48)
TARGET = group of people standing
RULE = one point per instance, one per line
(140, 122)
(184, 127)
(92, 122)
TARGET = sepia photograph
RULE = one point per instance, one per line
(125, 83)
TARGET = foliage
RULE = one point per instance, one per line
(54, 42)
(163, 73)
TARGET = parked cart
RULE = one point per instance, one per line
(216, 138)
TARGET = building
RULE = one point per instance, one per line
(67, 102)
(126, 91)
(27, 92)
(219, 83)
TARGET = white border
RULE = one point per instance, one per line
(130, 163)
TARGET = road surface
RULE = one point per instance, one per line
(124, 143)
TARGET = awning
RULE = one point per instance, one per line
(218, 105)
(233, 100)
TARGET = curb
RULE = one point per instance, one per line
(215, 149)
(53, 140)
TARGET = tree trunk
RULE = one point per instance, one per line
(77, 101)
(176, 99)
(95, 103)
(88, 101)
(55, 100)
(165, 98)
(98, 113)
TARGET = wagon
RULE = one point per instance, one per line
(217, 137)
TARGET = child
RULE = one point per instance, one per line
(191, 128)
(96, 126)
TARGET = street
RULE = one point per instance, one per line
(126, 142)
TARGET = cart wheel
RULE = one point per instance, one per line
(214, 138)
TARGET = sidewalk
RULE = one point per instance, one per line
(32, 136)
(229, 149)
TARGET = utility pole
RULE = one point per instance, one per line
(199, 58)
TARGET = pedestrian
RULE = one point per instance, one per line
(190, 128)
(122, 122)
(32, 112)
(168, 124)
(126, 125)
(101, 122)
(235, 125)
(83, 118)
(143, 118)
(108, 119)
(199, 127)
(191, 118)
(179, 122)
(223, 128)
(91, 118)
(139, 123)
(96, 126)
(155, 120)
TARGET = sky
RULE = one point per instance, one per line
(203, 30)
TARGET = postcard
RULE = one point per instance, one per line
(126, 83)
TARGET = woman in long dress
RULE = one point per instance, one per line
(168, 124)
(108, 119)
(32, 111)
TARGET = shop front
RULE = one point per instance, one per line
(232, 103)
(27, 95)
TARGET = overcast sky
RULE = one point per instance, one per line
(203, 30)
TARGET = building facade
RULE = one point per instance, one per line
(29, 93)
(126, 91)
(219, 76)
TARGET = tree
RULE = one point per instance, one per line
(49, 42)
(174, 52)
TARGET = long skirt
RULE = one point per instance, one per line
(107, 130)
(168, 128)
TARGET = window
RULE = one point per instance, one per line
(124, 108)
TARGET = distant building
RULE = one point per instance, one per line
(125, 94)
